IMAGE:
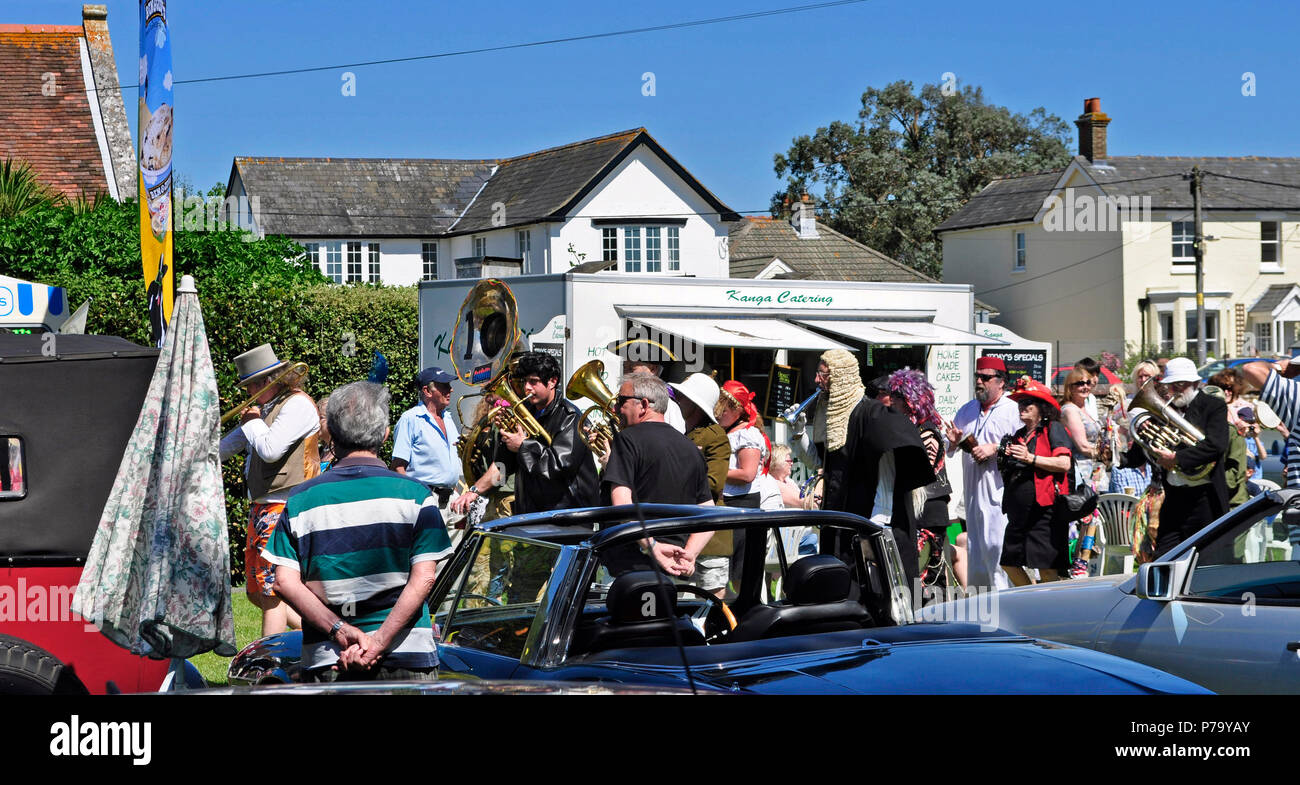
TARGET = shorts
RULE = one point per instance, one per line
(711, 573)
(259, 574)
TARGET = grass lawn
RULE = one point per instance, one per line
(248, 628)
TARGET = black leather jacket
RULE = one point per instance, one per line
(561, 475)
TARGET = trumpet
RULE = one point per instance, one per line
(598, 424)
(511, 412)
(791, 414)
(292, 377)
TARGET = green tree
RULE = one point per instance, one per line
(21, 191)
(911, 160)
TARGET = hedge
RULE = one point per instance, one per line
(251, 292)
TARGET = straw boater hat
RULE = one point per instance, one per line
(699, 390)
(846, 390)
(256, 363)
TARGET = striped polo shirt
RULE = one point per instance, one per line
(1283, 396)
(353, 533)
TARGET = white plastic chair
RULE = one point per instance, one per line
(1116, 510)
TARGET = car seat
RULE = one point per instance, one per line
(642, 612)
(818, 588)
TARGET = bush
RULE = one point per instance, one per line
(252, 292)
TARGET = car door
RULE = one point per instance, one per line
(1235, 626)
(492, 612)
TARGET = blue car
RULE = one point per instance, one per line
(570, 596)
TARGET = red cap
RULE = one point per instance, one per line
(1032, 389)
(990, 364)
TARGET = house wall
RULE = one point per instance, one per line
(1068, 294)
(1232, 266)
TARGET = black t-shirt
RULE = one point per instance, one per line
(660, 465)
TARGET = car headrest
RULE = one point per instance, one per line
(640, 596)
(817, 579)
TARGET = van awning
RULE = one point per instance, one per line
(741, 333)
(901, 333)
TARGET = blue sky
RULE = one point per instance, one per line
(727, 97)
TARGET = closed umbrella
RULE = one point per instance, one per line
(157, 580)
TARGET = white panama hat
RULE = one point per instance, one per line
(701, 390)
(1180, 369)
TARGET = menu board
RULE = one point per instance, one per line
(1022, 362)
(782, 382)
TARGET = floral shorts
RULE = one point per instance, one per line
(259, 574)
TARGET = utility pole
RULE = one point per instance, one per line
(1199, 249)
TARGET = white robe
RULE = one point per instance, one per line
(982, 485)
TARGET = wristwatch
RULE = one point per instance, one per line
(338, 625)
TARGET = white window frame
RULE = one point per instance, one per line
(609, 243)
(524, 244)
(334, 260)
(1183, 240)
(674, 249)
(1263, 338)
(1211, 332)
(653, 250)
(373, 254)
(632, 249)
(429, 258)
(1275, 264)
(480, 246)
(1021, 254)
(313, 256)
(354, 261)
(1165, 331)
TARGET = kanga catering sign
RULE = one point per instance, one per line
(761, 297)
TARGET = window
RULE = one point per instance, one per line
(1211, 332)
(1269, 246)
(609, 244)
(334, 261)
(1263, 339)
(674, 249)
(1184, 234)
(1166, 320)
(495, 606)
(1020, 251)
(374, 262)
(480, 246)
(653, 256)
(632, 249)
(1250, 561)
(429, 255)
(13, 475)
(524, 242)
(354, 261)
(313, 256)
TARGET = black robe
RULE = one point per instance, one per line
(852, 473)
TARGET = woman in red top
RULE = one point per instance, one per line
(1036, 463)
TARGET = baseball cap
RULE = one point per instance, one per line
(434, 374)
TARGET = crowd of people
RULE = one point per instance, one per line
(320, 489)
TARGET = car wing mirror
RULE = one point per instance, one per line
(1164, 581)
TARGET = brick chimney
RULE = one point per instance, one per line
(1092, 131)
(803, 219)
(108, 94)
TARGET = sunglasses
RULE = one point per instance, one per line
(1083, 384)
(986, 377)
(622, 399)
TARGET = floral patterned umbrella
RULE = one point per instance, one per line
(157, 580)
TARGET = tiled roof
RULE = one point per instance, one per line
(756, 241)
(325, 197)
(1226, 186)
(1271, 297)
(336, 197)
(54, 133)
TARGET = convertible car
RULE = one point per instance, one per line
(1222, 609)
(570, 596)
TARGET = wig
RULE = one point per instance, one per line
(846, 390)
(919, 394)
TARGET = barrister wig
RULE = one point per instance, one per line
(846, 390)
(914, 388)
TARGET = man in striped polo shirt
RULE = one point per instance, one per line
(356, 551)
(1281, 392)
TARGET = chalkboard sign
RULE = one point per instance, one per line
(1022, 362)
(782, 383)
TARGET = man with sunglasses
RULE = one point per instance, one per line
(978, 428)
(650, 462)
(559, 475)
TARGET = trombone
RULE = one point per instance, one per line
(291, 376)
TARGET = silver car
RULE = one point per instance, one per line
(1222, 609)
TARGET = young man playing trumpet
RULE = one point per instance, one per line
(283, 451)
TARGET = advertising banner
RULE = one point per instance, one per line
(155, 161)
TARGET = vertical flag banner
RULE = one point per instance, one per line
(155, 138)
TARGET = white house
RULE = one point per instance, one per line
(617, 201)
(1098, 255)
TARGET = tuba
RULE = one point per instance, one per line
(483, 343)
(599, 423)
(1156, 426)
